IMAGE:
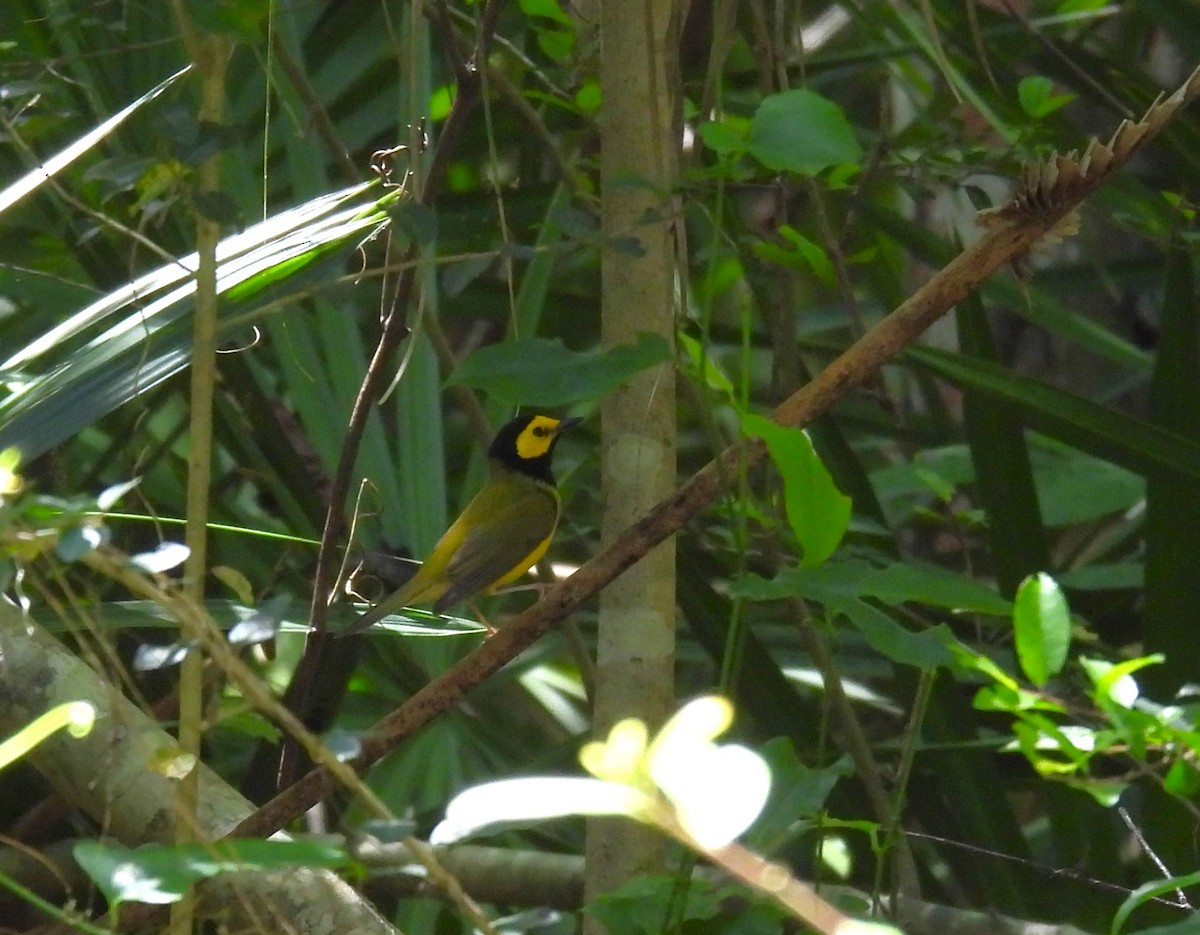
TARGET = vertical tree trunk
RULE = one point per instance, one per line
(640, 131)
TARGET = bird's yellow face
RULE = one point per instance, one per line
(537, 438)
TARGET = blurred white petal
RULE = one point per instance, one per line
(717, 791)
(620, 756)
(522, 800)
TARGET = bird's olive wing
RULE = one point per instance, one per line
(510, 537)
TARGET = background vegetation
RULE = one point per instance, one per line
(833, 156)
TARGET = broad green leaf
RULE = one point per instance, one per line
(927, 584)
(63, 158)
(797, 791)
(543, 372)
(925, 649)
(1074, 487)
(547, 9)
(1001, 460)
(817, 511)
(137, 336)
(1042, 623)
(836, 585)
(813, 254)
(1182, 778)
(1120, 576)
(636, 907)
(801, 131)
(723, 137)
(458, 275)
(804, 254)
(1099, 430)
(1037, 97)
(162, 873)
(1173, 504)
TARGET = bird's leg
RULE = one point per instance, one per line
(480, 616)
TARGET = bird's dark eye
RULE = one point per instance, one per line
(540, 431)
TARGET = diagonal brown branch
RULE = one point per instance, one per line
(1052, 191)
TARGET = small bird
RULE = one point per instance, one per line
(501, 534)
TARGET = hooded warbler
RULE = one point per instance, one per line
(501, 534)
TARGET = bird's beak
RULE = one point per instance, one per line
(567, 424)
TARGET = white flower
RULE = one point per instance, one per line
(681, 782)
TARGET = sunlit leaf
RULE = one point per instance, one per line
(166, 556)
(1042, 623)
(77, 717)
(161, 873)
(150, 658)
(108, 498)
(65, 157)
(817, 511)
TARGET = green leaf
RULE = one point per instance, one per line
(1099, 430)
(418, 221)
(803, 132)
(1000, 457)
(1189, 926)
(637, 906)
(543, 372)
(1173, 505)
(723, 137)
(460, 274)
(1076, 488)
(817, 511)
(547, 9)
(836, 586)
(813, 255)
(903, 582)
(1043, 627)
(556, 43)
(162, 873)
(79, 541)
(1037, 98)
(804, 254)
(925, 650)
(588, 97)
(64, 157)
(704, 368)
(1148, 891)
(1119, 576)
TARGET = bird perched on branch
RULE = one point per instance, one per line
(502, 533)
